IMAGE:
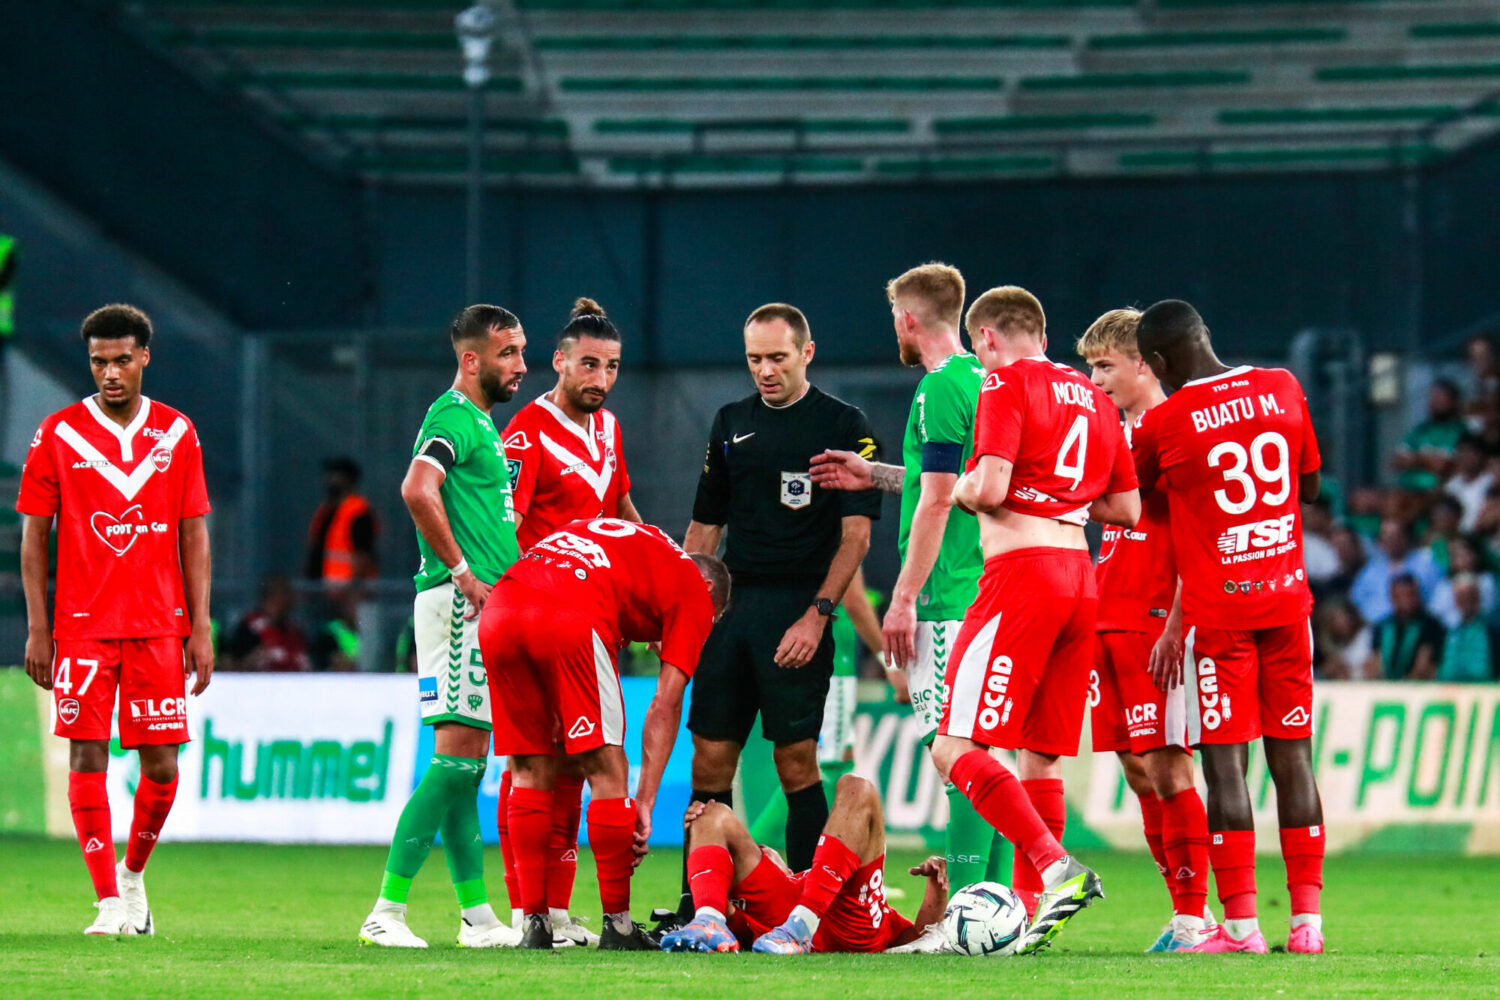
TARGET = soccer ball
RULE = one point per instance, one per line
(985, 918)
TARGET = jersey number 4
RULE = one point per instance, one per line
(1070, 457)
(62, 678)
(1268, 457)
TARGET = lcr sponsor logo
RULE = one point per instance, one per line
(1138, 715)
(162, 708)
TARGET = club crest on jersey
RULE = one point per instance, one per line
(68, 710)
(162, 459)
(796, 489)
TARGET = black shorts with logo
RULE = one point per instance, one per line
(737, 674)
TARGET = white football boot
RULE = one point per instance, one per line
(133, 892)
(388, 929)
(113, 918)
(566, 930)
(496, 935)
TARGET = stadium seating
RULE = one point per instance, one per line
(719, 91)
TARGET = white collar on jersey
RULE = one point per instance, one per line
(586, 435)
(125, 435)
(1242, 369)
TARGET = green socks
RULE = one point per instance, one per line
(976, 853)
(444, 799)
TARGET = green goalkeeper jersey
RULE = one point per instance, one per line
(476, 490)
(940, 433)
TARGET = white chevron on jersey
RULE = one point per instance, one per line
(128, 484)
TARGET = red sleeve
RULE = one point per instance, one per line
(194, 489)
(689, 620)
(1143, 445)
(997, 424)
(1311, 458)
(40, 494)
(622, 474)
(1122, 476)
(522, 458)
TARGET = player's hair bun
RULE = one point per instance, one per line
(587, 307)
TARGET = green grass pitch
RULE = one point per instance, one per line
(237, 920)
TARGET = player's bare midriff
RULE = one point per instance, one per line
(1007, 531)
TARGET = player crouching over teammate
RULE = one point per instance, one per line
(550, 634)
(837, 905)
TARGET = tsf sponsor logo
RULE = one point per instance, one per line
(1265, 534)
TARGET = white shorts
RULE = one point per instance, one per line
(451, 682)
(837, 735)
(925, 676)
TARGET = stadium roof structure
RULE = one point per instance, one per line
(632, 93)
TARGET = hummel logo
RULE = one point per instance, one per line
(1298, 716)
(741, 437)
(1184, 873)
(94, 844)
(581, 728)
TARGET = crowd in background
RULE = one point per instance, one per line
(1404, 575)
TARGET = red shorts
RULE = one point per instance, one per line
(1249, 684)
(553, 679)
(1018, 675)
(858, 920)
(148, 674)
(1126, 710)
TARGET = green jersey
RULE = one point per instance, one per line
(940, 435)
(476, 491)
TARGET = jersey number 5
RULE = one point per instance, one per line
(1070, 457)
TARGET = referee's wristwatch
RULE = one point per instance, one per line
(824, 606)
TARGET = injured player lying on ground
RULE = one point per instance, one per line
(745, 894)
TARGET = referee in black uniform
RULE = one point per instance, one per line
(792, 550)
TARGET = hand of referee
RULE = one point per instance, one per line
(475, 591)
(1166, 660)
(841, 470)
(801, 641)
(39, 651)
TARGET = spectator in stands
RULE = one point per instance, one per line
(1407, 642)
(1442, 529)
(1471, 480)
(1353, 552)
(341, 538)
(1427, 450)
(1394, 556)
(1319, 556)
(1343, 641)
(1469, 652)
(1466, 561)
(1366, 508)
(337, 646)
(1484, 371)
(267, 638)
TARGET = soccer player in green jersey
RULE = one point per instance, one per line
(458, 491)
(940, 555)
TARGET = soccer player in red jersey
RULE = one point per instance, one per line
(1140, 621)
(122, 475)
(1235, 453)
(746, 895)
(566, 462)
(1048, 455)
(550, 634)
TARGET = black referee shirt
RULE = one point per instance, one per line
(755, 482)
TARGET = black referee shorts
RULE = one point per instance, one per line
(737, 674)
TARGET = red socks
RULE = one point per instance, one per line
(1151, 823)
(1232, 853)
(89, 801)
(1046, 796)
(1302, 849)
(1184, 837)
(562, 857)
(529, 818)
(710, 870)
(502, 825)
(832, 864)
(1005, 805)
(611, 836)
(153, 801)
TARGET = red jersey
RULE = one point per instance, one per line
(1060, 433)
(1137, 572)
(632, 577)
(559, 472)
(118, 494)
(1227, 450)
